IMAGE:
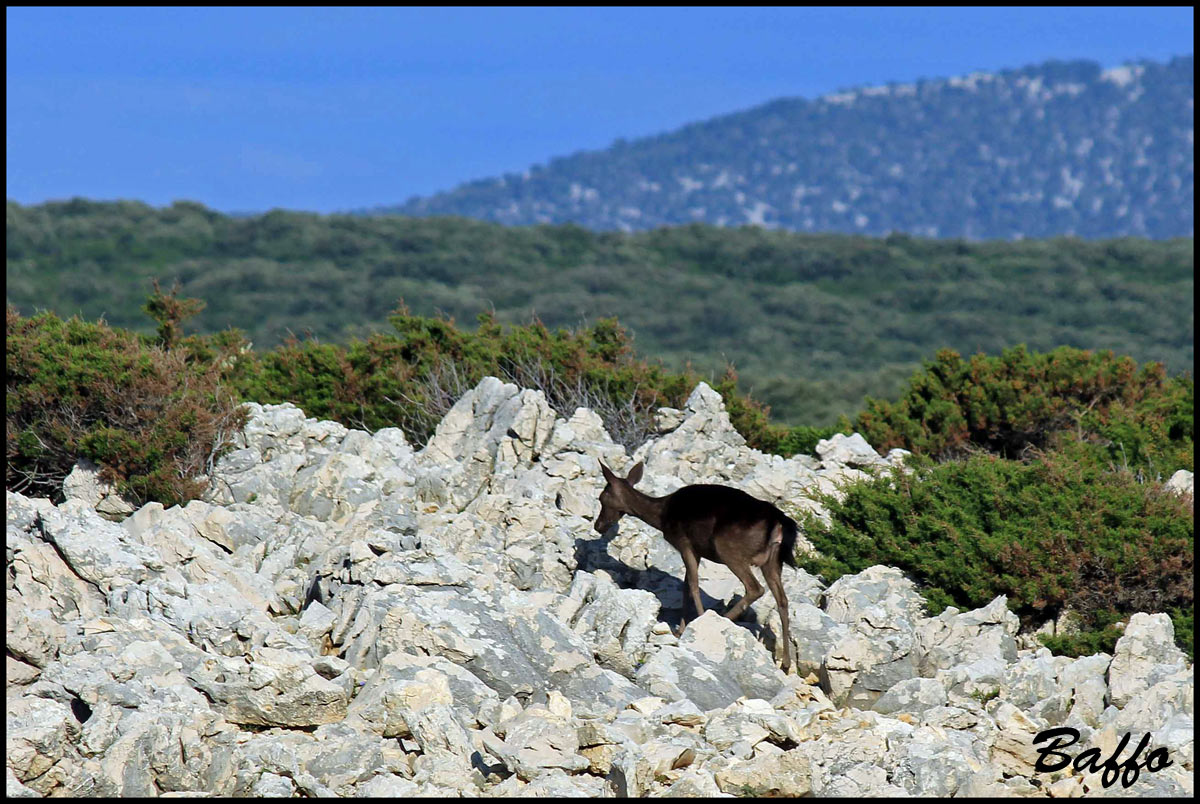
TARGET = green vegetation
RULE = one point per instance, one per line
(1054, 496)
(813, 323)
(152, 409)
(1059, 532)
(983, 697)
(410, 379)
(1103, 634)
(153, 418)
(1022, 400)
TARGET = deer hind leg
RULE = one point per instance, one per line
(740, 567)
(771, 573)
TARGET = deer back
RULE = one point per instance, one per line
(704, 514)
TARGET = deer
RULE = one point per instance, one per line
(719, 523)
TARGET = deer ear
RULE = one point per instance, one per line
(608, 473)
(635, 474)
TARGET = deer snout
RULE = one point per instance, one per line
(603, 524)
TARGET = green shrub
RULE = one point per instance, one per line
(1137, 417)
(152, 418)
(984, 696)
(410, 379)
(170, 311)
(153, 411)
(752, 420)
(1061, 531)
(1100, 637)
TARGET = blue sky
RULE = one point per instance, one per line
(336, 109)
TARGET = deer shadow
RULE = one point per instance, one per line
(591, 554)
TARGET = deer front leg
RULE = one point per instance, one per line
(691, 565)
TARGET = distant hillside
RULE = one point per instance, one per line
(812, 322)
(1062, 148)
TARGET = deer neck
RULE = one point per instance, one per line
(646, 508)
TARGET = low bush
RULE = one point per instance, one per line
(1053, 533)
(153, 418)
(154, 411)
(1136, 417)
(411, 379)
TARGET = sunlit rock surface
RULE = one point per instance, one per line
(345, 615)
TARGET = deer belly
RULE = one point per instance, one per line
(703, 547)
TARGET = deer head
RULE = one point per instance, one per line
(618, 496)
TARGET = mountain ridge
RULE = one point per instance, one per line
(1044, 150)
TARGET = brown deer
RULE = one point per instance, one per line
(722, 524)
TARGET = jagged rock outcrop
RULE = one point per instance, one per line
(345, 615)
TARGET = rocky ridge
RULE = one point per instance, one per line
(344, 615)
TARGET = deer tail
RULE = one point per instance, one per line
(787, 547)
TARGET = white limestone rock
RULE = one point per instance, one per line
(84, 484)
(1182, 482)
(880, 608)
(1145, 654)
(848, 450)
(953, 638)
(343, 616)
